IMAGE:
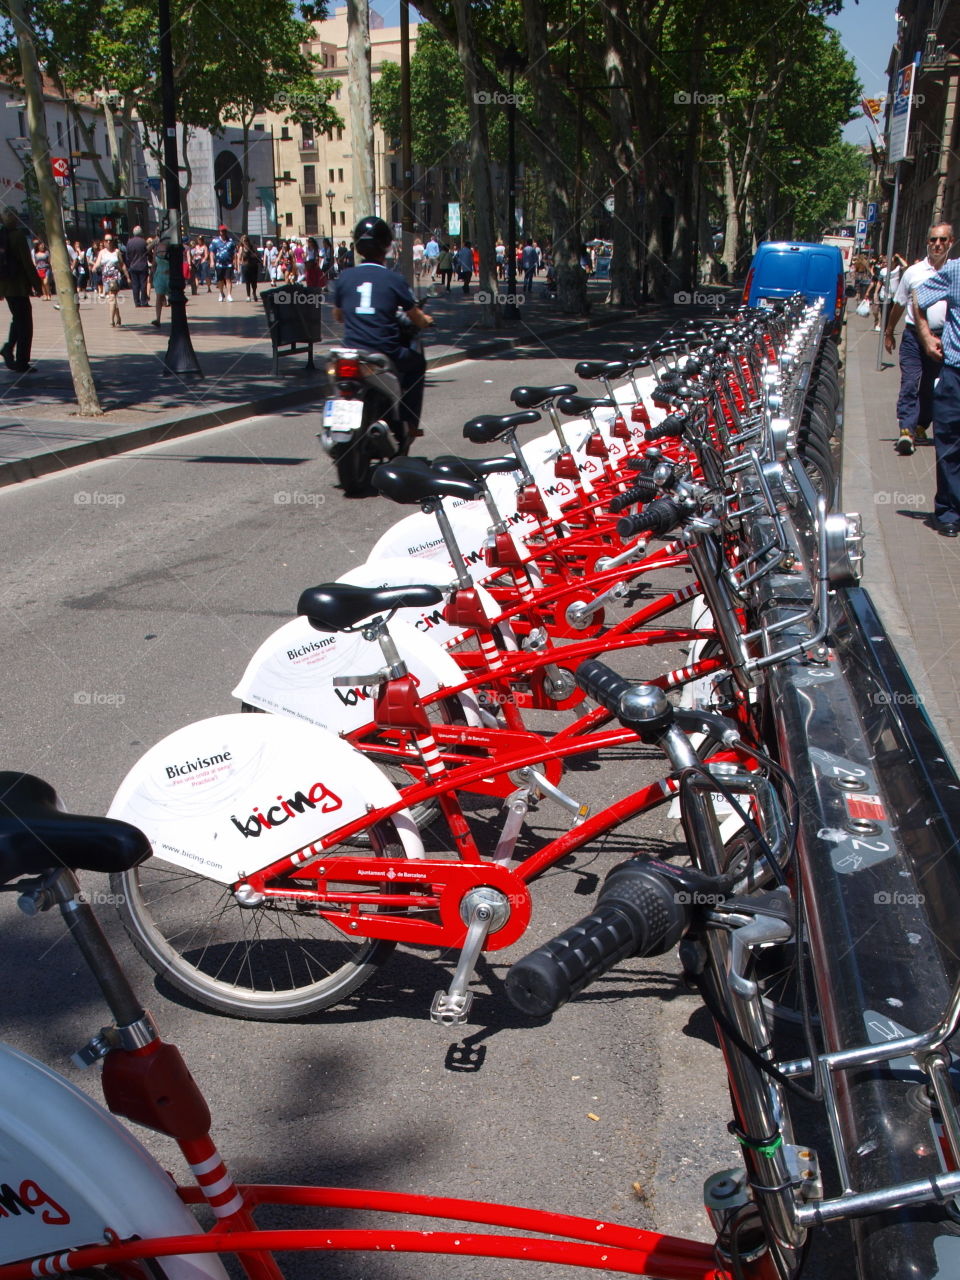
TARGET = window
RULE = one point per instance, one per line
(286, 176)
(330, 174)
(284, 134)
(310, 224)
(337, 94)
(339, 135)
(59, 134)
(308, 139)
(343, 217)
(288, 219)
(393, 175)
(309, 180)
(259, 128)
(339, 175)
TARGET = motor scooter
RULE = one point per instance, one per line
(363, 420)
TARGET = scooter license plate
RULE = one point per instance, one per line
(343, 415)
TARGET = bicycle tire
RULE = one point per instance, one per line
(247, 961)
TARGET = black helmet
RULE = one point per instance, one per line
(372, 236)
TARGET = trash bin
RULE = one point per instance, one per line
(294, 318)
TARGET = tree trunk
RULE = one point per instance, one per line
(361, 114)
(112, 144)
(490, 311)
(625, 282)
(731, 237)
(80, 370)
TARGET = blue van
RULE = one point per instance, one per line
(781, 268)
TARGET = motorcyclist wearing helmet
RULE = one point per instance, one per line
(366, 300)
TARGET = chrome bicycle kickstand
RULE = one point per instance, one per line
(483, 909)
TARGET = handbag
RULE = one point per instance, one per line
(864, 308)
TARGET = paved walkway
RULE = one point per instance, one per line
(912, 574)
(41, 431)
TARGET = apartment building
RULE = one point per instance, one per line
(314, 170)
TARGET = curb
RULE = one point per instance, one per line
(76, 453)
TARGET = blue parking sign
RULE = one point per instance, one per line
(872, 212)
(861, 227)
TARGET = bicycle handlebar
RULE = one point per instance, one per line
(658, 517)
(642, 491)
(639, 912)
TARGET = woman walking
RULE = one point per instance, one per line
(248, 263)
(112, 267)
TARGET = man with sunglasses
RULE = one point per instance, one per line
(944, 287)
(918, 369)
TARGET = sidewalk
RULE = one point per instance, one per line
(911, 573)
(41, 431)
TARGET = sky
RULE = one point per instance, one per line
(868, 30)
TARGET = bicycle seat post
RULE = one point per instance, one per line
(62, 889)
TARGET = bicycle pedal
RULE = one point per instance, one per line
(450, 1011)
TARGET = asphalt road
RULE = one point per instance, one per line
(134, 591)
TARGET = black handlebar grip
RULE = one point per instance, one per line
(643, 491)
(638, 912)
(658, 517)
(670, 428)
(602, 683)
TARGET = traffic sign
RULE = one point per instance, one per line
(61, 170)
(861, 227)
(872, 210)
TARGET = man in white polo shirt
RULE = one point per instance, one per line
(918, 369)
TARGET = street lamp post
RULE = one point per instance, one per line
(180, 358)
(331, 196)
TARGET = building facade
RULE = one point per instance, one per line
(314, 169)
(930, 173)
(87, 205)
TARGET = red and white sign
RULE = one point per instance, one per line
(61, 170)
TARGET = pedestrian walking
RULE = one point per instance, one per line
(944, 287)
(161, 278)
(81, 272)
(223, 250)
(431, 252)
(248, 263)
(918, 370)
(138, 265)
(529, 258)
(445, 266)
(314, 275)
(417, 258)
(464, 264)
(885, 285)
(112, 270)
(198, 265)
(41, 260)
(18, 280)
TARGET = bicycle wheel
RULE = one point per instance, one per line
(273, 961)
